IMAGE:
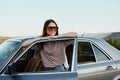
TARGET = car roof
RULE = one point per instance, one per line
(21, 39)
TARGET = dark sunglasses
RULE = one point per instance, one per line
(52, 27)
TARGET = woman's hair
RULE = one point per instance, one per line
(44, 33)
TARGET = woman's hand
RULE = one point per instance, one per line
(46, 37)
(51, 37)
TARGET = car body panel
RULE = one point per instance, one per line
(97, 71)
(42, 76)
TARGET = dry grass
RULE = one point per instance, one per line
(3, 38)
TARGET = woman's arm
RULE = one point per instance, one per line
(65, 35)
(28, 42)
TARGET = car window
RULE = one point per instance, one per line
(88, 53)
(100, 56)
(85, 53)
(23, 60)
(19, 53)
(31, 60)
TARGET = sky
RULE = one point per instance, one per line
(27, 17)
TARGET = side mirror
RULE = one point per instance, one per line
(11, 68)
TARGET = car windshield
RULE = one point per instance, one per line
(6, 48)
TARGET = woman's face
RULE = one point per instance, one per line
(52, 29)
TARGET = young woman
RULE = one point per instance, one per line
(52, 53)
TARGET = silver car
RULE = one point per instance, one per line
(86, 59)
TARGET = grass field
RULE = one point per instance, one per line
(3, 38)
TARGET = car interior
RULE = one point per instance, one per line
(85, 53)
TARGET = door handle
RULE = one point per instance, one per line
(109, 68)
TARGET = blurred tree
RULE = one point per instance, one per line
(115, 43)
(2, 39)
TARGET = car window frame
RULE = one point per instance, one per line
(93, 43)
(87, 41)
(99, 47)
(102, 51)
(42, 41)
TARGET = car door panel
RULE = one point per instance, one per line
(6, 77)
(46, 76)
(97, 71)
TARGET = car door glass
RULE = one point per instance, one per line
(100, 56)
(21, 63)
(85, 53)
